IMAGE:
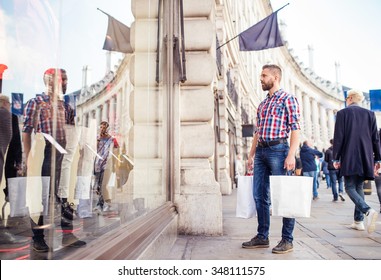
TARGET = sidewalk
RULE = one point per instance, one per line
(326, 235)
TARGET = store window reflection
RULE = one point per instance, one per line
(87, 150)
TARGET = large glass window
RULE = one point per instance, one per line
(89, 141)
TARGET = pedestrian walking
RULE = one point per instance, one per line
(337, 181)
(356, 151)
(325, 171)
(278, 118)
(308, 157)
(377, 179)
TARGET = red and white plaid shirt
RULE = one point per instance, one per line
(44, 121)
(277, 116)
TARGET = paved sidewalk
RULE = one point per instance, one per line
(326, 235)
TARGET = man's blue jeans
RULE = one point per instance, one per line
(354, 188)
(269, 161)
(314, 185)
(334, 174)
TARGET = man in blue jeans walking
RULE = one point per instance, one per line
(334, 175)
(278, 116)
(307, 156)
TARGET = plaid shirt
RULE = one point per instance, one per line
(103, 149)
(43, 122)
(277, 115)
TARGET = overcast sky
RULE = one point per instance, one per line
(346, 31)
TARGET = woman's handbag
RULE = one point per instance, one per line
(245, 200)
(291, 196)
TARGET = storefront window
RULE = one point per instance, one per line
(90, 142)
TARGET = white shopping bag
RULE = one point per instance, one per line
(245, 200)
(28, 195)
(17, 197)
(82, 188)
(291, 196)
(37, 194)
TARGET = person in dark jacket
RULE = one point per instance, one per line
(325, 171)
(377, 179)
(6, 130)
(356, 151)
(14, 155)
(334, 175)
(307, 156)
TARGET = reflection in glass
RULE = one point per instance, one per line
(77, 178)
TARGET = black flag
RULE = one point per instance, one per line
(263, 35)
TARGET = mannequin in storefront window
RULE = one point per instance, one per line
(38, 118)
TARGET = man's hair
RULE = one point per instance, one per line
(331, 141)
(49, 73)
(106, 123)
(3, 99)
(275, 69)
(357, 95)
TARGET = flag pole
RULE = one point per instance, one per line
(243, 31)
(103, 12)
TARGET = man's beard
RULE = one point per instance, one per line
(267, 86)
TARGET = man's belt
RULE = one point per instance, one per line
(264, 144)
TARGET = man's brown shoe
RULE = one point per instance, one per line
(256, 242)
(283, 246)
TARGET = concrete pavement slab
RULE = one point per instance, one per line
(326, 235)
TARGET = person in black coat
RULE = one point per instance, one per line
(14, 154)
(377, 180)
(5, 131)
(356, 151)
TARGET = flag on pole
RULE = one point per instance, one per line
(117, 37)
(17, 103)
(263, 35)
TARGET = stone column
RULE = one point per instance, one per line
(180, 114)
(98, 116)
(299, 97)
(331, 123)
(105, 111)
(307, 116)
(111, 114)
(324, 126)
(315, 121)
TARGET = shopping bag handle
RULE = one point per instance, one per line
(290, 173)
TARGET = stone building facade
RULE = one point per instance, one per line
(179, 102)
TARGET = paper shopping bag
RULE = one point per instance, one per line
(245, 200)
(28, 195)
(291, 196)
(17, 197)
(82, 188)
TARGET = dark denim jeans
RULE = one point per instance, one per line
(269, 161)
(315, 184)
(334, 176)
(377, 181)
(354, 188)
